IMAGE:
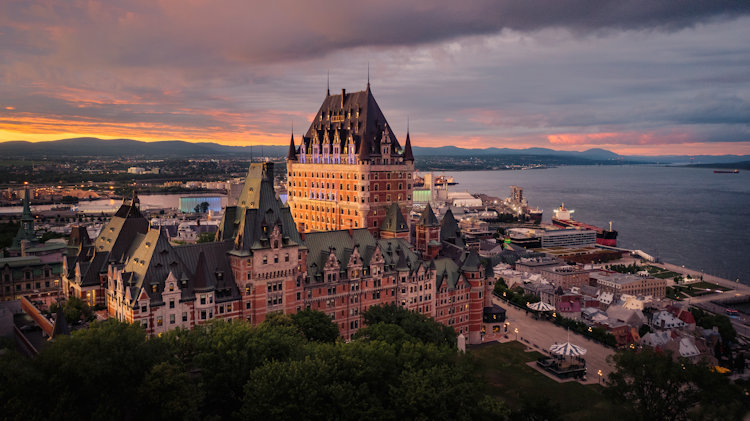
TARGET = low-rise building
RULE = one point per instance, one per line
(619, 284)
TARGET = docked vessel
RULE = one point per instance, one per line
(445, 181)
(563, 218)
(726, 171)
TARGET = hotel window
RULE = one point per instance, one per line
(171, 303)
(159, 321)
(171, 319)
(265, 260)
(171, 287)
(203, 314)
(286, 257)
(184, 316)
(203, 299)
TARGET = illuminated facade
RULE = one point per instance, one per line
(349, 167)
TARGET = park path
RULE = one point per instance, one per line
(541, 335)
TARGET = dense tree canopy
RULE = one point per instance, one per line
(287, 367)
(660, 388)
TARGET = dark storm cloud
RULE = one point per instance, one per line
(133, 33)
(641, 72)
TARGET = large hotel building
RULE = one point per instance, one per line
(349, 167)
(351, 182)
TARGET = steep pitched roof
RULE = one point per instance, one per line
(446, 272)
(428, 218)
(356, 115)
(202, 280)
(471, 262)
(198, 267)
(257, 212)
(449, 227)
(78, 236)
(118, 234)
(394, 220)
(396, 252)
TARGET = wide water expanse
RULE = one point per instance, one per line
(685, 216)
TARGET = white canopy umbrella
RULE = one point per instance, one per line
(567, 349)
(540, 306)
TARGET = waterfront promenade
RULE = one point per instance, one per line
(736, 290)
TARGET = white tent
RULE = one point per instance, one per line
(567, 349)
(540, 306)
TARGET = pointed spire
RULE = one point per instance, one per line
(408, 155)
(292, 156)
(26, 202)
(61, 326)
(368, 75)
(328, 83)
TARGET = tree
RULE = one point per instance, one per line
(655, 386)
(204, 207)
(74, 309)
(660, 388)
(414, 324)
(206, 237)
(316, 326)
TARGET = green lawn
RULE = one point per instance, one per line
(512, 380)
(709, 285)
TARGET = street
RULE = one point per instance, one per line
(541, 335)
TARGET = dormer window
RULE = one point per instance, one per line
(171, 286)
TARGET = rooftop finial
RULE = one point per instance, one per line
(368, 75)
(328, 83)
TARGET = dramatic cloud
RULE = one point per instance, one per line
(566, 73)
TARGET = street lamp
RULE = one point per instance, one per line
(599, 372)
(516, 330)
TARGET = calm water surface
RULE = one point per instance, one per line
(685, 216)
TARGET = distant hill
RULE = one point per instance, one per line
(91, 146)
(112, 148)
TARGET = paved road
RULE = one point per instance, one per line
(544, 334)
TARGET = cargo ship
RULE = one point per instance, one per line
(726, 171)
(564, 219)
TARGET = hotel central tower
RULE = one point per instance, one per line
(349, 167)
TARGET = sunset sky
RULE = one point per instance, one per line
(633, 76)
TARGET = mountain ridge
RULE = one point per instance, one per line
(92, 146)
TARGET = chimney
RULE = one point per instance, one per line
(268, 167)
